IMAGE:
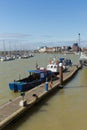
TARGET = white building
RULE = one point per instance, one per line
(42, 49)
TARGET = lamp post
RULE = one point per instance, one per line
(79, 38)
(22, 95)
(61, 74)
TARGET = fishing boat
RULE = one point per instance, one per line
(35, 78)
(54, 64)
(66, 62)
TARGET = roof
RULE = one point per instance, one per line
(35, 71)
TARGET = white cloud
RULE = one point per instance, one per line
(14, 35)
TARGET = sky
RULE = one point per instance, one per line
(32, 23)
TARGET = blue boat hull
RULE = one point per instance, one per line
(31, 81)
(22, 86)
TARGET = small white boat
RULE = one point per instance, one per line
(83, 56)
(3, 59)
(7, 58)
(83, 59)
(54, 66)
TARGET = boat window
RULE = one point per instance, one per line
(51, 66)
(42, 75)
(54, 66)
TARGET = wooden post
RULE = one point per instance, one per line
(61, 74)
(51, 83)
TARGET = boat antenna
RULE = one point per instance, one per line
(37, 65)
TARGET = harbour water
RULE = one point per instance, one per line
(65, 109)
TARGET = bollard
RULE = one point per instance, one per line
(36, 96)
(23, 103)
(22, 95)
(46, 85)
(61, 74)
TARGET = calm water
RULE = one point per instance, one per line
(65, 109)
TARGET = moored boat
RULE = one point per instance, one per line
(83, 59)
(35, 78)
(7, 58)
(2, 58)
(54, 65)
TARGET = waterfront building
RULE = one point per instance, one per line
(75, 47)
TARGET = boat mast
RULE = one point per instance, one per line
(9, 48)
(4, 48)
